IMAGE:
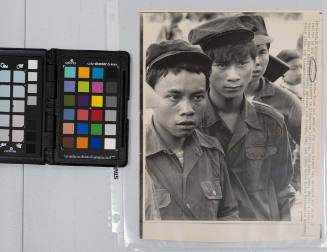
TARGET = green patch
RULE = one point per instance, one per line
(96, 129)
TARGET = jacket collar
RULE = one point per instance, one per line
(210, 115)
(248, 114)
(266, 88)
(155, 144)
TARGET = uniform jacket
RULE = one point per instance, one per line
(258, 159)
(285, 102)
(151, 204)
(202, 182)
(290, 106)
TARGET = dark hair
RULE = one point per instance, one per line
(287, 55)
(234, 52)
(175, 65)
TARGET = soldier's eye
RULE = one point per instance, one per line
(295, 68)
(262, 52)
(220, 65)
(198, 98)
(244, 62)
(173, 97)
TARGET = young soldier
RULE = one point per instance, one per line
(253, 135)
(292, 79)
(264, 91)
(186, 167)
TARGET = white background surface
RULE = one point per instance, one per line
(62, 208)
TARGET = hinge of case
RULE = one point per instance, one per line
(50, 107)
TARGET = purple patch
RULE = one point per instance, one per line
(83, 100)
(69, 86)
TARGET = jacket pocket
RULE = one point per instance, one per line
(260, 152)
(212, 189)
(257, 171)
(163, 197)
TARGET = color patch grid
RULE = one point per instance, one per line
(18, 94)
(89, 113)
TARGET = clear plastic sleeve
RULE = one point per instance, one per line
(126, 200)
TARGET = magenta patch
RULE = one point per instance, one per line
(97, 87)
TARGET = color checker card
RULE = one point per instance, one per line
(64, 107)
(93, 95)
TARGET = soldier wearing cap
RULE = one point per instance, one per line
(253, 135)
(292, 79)
(186, 167)
(264, 91)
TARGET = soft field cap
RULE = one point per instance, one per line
(288, 55)
(257, 25)
(220, 32)
(169, 49)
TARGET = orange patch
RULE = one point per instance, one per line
(82, 142)
(83, 72)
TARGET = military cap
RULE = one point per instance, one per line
(170, 49)
(256, 23)
(275, 68)
(220, 32)
(288, 55)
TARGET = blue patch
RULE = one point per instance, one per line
(82, 128)
(96, 143)
(69, 114)
(97, 73)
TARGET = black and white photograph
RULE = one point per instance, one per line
(223, 105)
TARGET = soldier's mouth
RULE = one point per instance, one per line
(186, 123)
(233, 88)
(256, 73)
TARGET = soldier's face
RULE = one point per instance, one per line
(229, 80)
(181, 102)
(261, 62)
(294, 75)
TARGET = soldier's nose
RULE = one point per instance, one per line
(232, 74)
(186, 108)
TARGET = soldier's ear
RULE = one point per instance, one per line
(151, 98)
(268, 46)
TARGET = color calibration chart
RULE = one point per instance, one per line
(19, 105)
(64, 106)
(89, 107)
